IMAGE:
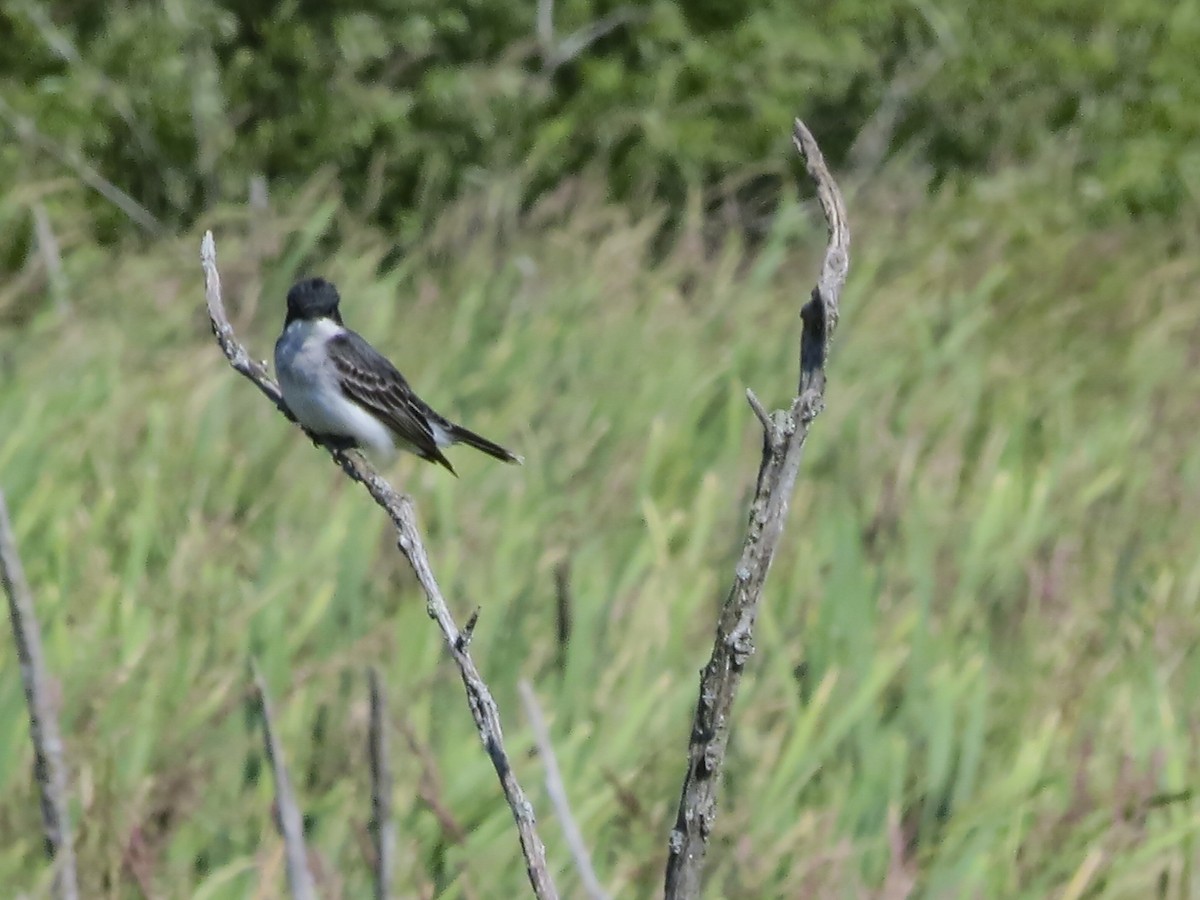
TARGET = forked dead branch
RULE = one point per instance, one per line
(784, 435)
(399, 509)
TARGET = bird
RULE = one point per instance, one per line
(349, 394)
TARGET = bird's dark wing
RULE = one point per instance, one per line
(369, 379)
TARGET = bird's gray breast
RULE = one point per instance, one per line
(312, 387)
(301, 357)
(307, 376)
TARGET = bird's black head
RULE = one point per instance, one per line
(313, 298)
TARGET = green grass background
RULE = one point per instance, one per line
(975, 664)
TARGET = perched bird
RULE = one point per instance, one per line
(340, 387)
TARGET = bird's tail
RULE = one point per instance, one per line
(462, 435)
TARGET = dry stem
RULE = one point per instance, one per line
(383, 829)
(291, 822)
(558, 794)
(48, 765)
(784, 434)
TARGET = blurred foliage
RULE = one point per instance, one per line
(179, 103)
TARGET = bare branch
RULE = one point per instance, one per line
(783, 445)
(383, 829)
(291, 823)
(399, 509)
(48, 765)
(558, 794)
(873, 140)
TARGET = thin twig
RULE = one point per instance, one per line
(558, 794)
(259, 195)
(562, 606)
(557, 53)
(49, 766)
(399, 509)
(51, 255)
(383, 829)
(429, 789)
(873, 141)
(291, 823)
(784, 435)
(760, 411)
(431, 792)
(582, 38)
(545, 28)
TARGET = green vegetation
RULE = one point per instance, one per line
(975, 665)
(180, 103)
(990, 584)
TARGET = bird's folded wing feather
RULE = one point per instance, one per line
(369, 379)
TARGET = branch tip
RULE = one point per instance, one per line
(464, 636)
(760, 412)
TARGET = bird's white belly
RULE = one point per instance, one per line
(311, 391)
